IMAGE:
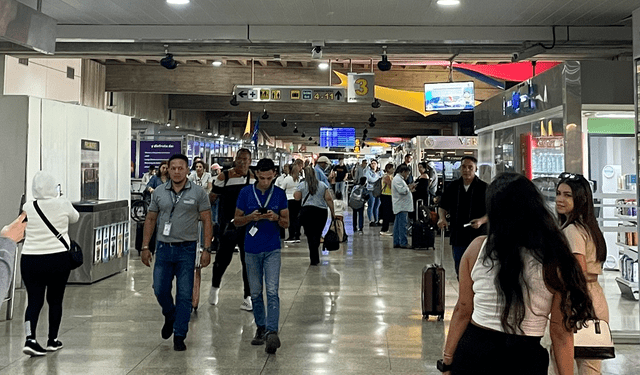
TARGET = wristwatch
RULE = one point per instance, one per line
(145, 248)
(442, 367)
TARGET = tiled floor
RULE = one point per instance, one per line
(357, 313)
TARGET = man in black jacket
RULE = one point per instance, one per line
(464, 200)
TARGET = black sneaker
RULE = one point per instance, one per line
(167, 328)
(32, 348)
(258, 339)
(273, 342)
(178, 344)
(54, 345)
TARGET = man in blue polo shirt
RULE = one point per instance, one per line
(262, 208)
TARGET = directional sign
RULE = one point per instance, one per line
(360, 87)
(316, 94)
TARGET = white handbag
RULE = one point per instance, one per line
(593, 341)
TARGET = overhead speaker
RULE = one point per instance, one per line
(168, 62)
(384, 64)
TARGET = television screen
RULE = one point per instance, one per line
(448, 97)
(337, 137)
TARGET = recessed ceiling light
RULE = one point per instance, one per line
(209, 133)
(177, 2)
(217, 63)
(168, 124)
(323, 66)
(448, 3)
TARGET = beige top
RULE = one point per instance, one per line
(581, 243)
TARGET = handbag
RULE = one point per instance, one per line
(302, 211)
(74, 251)
(593, 341)
(331, 239)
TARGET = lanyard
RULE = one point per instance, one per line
(266, 204)
(174, 199)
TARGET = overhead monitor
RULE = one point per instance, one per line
(337, 137)
(449, 97)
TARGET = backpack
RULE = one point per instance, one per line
(377, 188)
(356, 199)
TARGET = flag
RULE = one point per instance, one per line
(256, 129)
(247, 128)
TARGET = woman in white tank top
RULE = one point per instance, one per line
(510, 282)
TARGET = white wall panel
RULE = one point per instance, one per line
(54, 141)
(124, 157)
(43, 78)
(34, 151)
(24, 80)
(103, 127)
(77, 126)
(59, 87)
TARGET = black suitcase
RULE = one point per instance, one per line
(422, 233)
(433, 283)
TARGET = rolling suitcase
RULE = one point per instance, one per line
(433, 287)
(422, 234)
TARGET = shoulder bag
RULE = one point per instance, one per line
(593, 341)
(74, 251)
(302, 212)
(331, 239)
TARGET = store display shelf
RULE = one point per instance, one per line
(627, 217)
(630, 251)
(627, 288)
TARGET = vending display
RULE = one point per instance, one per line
(542, 156)
(97, 253)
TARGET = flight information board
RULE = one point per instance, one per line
(337, 137)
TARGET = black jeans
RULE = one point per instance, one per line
(313, 221)
(294, 224)
(45, 275)
(482, 351)
(386, 212)
(229, 237)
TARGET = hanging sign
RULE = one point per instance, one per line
(290, 94)
(360, 87)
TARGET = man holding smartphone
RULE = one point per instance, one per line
(262, 208)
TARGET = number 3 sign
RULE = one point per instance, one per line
(360, 87)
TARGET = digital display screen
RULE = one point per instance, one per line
(337, 137)
(452, 96)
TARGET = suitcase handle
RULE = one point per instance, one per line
(419, 202)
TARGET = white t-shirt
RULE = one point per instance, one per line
(289, 186)
(339, 206)
(203, 181)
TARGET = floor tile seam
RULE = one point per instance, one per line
(143, 358)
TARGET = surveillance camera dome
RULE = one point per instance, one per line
(284, 123)
(384, 64)
(168, 62)
(376, 104)
(316, 52)
(372, 124)
(265, 115)
(515, 56)
(234, 101)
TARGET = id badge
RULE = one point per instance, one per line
(253, 231)
(167, 229)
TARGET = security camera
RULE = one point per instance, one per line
(284, 123)
(515, 57)
(234, 101)
(316, 52)
(168, 62)
(376, 103)
(265, 115)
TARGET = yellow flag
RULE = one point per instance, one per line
(247, 129)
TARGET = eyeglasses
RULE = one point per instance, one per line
(570, 176)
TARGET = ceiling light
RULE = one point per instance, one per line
(168, 124)
(295, 129)
(265, 115)
(209, 134)
(372, 118)
(143, 119)
(376, 103)
(615, 115)
(178, 2)
(310, 138)
(177, 126)
(372, 124)
(303, 135)
(284, 123)
(448, 3)
(217, 63)
(323, 66)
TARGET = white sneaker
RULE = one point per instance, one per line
(387, 233)
(213, 295)
(246, 304)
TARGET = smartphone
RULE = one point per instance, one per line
(23, 200)
(262, 210)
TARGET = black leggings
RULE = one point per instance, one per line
(228, 240)
(44, 274)
(482, 351)
(314, 220)
(294, 224)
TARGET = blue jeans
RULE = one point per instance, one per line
(358, 219)
(373, 207)
(458, 251)
(340, 188)
(400, 226)
(265, 265)
(175, 261)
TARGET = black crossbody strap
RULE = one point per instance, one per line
(50, 226)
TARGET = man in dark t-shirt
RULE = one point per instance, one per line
(341, 175)
(464, 200)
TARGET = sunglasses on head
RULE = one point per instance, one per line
(570, 176)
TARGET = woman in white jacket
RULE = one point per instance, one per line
(45, 264)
